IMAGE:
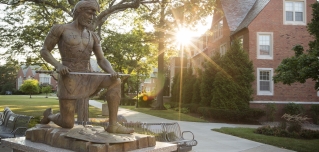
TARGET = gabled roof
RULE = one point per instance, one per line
(235, 11)
(32, 67)
(254, 11)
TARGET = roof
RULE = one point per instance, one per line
(235, 11)
(254, 11)
(32, 67)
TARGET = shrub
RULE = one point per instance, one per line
(231, 115)
(128, 102)
(315, 113)
(295, 122)
(145, 101)
(280, 132)
(270, 111)
(293, 109)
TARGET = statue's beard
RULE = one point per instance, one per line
(85, 22)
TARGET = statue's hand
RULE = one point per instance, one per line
(62, 69)
(114, 75)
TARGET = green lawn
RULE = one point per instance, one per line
(300, 145)
(23, 104)
(167, 114)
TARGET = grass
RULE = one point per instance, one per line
(167, 114)
(23, 104)
(300, 145)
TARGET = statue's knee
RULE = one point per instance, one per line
(117, 82)
(67, 125)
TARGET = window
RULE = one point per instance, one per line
(147, 80)
(264, 81)
(294, 12)
(45, 78)
(19, 82)
(264, 46)
(218, 30)
(222, 49)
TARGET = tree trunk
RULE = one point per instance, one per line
(160, 76)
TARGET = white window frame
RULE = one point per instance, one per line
(20, 81)
(223, 49)
(148, 80)
(270, 56)
(271, 91)
(304, 13)
(44, 78)
(217, 30)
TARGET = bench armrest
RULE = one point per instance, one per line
(188, 132)
(19, 131)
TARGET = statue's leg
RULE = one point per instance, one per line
(113, 97)
(65, 118)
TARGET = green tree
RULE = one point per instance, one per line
(46, 89)
(196, 89)
(30, 86)
(175, 91)
(212, 67)
(237, 65)
(26, 23)
(188, 83)
(132, 52)
(304, 64)
(167, 18)
(225, 93)
(8, 74)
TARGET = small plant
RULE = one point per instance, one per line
(185, 110)
(295, 122)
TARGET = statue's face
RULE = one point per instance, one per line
(86, 17)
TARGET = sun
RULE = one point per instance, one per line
(183, 36)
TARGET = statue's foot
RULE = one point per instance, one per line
(119, 129)
(46, 113)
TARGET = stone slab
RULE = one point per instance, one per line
(21, 144)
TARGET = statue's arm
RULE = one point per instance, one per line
(49, 43)
(101, 60)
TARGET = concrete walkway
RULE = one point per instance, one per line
(208, 140)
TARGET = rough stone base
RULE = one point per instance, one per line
(54, 136)
(20, 144)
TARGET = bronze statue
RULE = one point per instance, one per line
(76, 42)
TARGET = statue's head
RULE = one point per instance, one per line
(88, 9)
(85, 5)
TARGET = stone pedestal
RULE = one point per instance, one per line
(20, 144)
(53, 138)
(105, 109)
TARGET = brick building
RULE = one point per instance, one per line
(268, 30)
(29, 72)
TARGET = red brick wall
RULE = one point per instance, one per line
(284, 38)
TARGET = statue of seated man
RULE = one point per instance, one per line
(76, 42)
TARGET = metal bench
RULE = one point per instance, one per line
(13, 125)
(166, 132)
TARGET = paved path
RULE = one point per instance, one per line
(208, 140)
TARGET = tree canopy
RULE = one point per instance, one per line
(30, 86)
(304, 64)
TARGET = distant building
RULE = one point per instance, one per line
(268, 30)
(29, 72)
(149, 84)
